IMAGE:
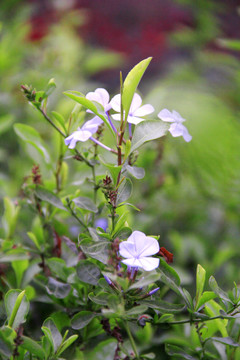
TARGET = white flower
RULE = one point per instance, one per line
(136, 111)
(176, 128)
(137, 249)
(101, 96)
(83, 133)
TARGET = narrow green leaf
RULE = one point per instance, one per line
(60, 119)
(168, 275)
(96, 108)
(200, 282)
(176, 351)
(148, 130)
(131, 83)
(205, 297)
(17, 307)
(67, 343)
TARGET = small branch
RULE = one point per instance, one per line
(75, 215)
(51, 122)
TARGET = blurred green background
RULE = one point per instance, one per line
(190, 193)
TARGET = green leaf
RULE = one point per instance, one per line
(163, 306)
(7, 336)
(169, 276)
(9, 218)
(165, 318)
(120, 223)
(17, 307)
(51, 86)
(6, 122)
(85, 203)
(135, 171)
(67, 343)
(31, 136)
(33, 347)
(200, 281)
(82, 319)
(131, 83)
(88, 272)
(56, 337)
(60, 119)
(97, 250)
(145, 280)
(225, 340)
(47, 339)
(176, 351)
(48, 196)
(19, 267)
(58, 289)
(218, 291)
(205, 297)
(148, 130)
(96, 108)
(124, 191)
(14, 254)
(105, 350)
(136, 310)
(100, 299)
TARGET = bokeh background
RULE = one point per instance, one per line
(191, 192)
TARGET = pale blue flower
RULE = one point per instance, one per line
(83, 133)
(137, 250)
(136, 111)
(176, 128)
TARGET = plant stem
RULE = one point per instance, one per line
(51, 122)
(75, 215)
(131, 340)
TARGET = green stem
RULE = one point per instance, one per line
(131, 340)
(75, 215)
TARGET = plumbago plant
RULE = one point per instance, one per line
(108, 292)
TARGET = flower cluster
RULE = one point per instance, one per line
(136, 115)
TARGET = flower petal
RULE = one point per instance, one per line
(136, 103)
(135, 236)
(166, 115)
(151, 247)
(116, 117)
(127, 249)
(92, 125)
(187, 137)
(134, 120)
(104, 96)
(149, 263)
(116, 103)
(132, 262)
(176, 129)
(144, 110)
(178, 117)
